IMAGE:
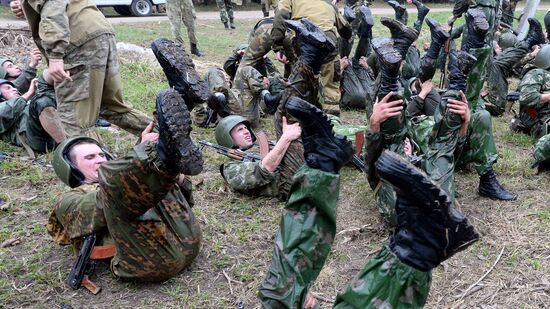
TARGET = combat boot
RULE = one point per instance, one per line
(429, 229)
(402, 36)
(195, 50)
(226, 25)
(366, 22)
(180, 71)
(271, 101)
(231, 24)
(477, 24)
(174, 145)
(218, 103)
(398, 8)
(439, 37)
(389, 62)
(535, 36)
(491, 188)
(349, 14)
(323, 149)
(422, 12)
(313, 43)
(460, 65)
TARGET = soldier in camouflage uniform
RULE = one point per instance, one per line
(183, 11)
(489, 9)
(260, 178)
(226, 13)
(268, 5)
(534, 100)
(20, 78)
(141, 203)
(79, 44)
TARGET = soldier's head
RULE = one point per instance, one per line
(542, 60)
(8, 90)
(8, 70)
(77, 160)
(234, 132)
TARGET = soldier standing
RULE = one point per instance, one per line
(183, 11)
(267, 5)
(226, 13)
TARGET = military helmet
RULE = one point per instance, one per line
(223, 130)
(62, 165)
(3, 72)
(543, 57)
(2, 82)
(507, 39)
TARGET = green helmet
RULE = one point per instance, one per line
(223, 130)
(2, 82)
(62, 165)
(507, 39)
(3, 72)
(543, 57)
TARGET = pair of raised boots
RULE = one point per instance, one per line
(400, 13)
(365, 21)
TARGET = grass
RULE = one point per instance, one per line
(238, 230)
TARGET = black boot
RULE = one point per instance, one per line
(422, 12)
(349, 14)
(271, 102)
(535, 36)
(460, 65)
(313, 42)
(402, 36)
(477, 24)
(231, 24)
(174, 146)
(389, 62)
(491, 188)
(180, 71)
(226, 25)
(218, 103)
(429, 230)
(366, 22)
(195, 50)
(323, 149)
(439, 37)
(398, 8)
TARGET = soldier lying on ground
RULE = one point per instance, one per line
(141, 203)
(20, 78)
(30, 120)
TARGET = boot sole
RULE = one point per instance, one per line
(406, 31)
(366, 15)
(383, 47)
(314, 35)
(174, 122)
(479, 19)
(435, 27)
(305, 112)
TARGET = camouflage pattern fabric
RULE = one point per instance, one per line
(411, 65)
(421, 131)
(497, 78)
(138, 204)
(182, 12)
(12, 122)
(96, 88)
(356, 86)
(541, 153)
(489, 7)
(304, 238)
(37, 138)
(249, 84)
(531, 112)
(269, 5)
(330, 86)
(386, 282)
(251, 178)
(226, 10)
(23, 81)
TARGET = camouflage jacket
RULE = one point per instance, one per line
(13, 114)
(534, 83)
(247, 86)
(23, 81)
(250, 178)
(57, 24)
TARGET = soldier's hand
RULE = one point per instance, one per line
(460, 107)
(32, 89)
(344, 63)
(35, 56)
(383, 110)
(57, 71)
(281, 57)
(16, 9)
(535, 51)
(291, 131)
(148, 134)
(363, 62)
(425, 88)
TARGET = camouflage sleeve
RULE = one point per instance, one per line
(526, 59)
(23, 81)
(530, 89)
(279, 29)
(254, 80)
(373, 149)
(10, 112)
(54, 26)
(242, 176)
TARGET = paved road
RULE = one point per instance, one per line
(238, 15)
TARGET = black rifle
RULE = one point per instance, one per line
(358, 163)
(83, 265)
(234, 154)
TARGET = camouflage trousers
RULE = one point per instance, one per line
(95, 88)
(541, 152)
(269, 4)
(182, 12)
(251, 179)
(226, 10)
(386, 282)
(304, 238)
(497, 80)
(329, 90)
(147, 216)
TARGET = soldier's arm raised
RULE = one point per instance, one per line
(273, 159)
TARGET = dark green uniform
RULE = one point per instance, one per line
(21, 82)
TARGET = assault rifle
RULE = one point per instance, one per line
(358, 163)
(234, 154)
(84, 266)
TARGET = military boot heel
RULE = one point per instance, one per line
(402, 36)
(477, 24)
(174, 145)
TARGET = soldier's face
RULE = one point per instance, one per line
(9, 92)
(12, 70)
(241, 136)
(88, 158)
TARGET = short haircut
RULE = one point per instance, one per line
(72, 156)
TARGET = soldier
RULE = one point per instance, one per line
(226, 13)
(79, 44)
(183, 11)
(267, 5)
(20, 78)
(30, 120)
(488, 9)
(534, 99)
(140, 203)
(260, 178)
